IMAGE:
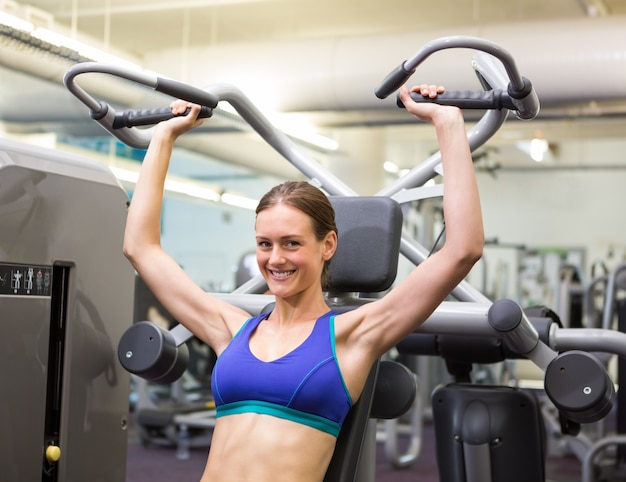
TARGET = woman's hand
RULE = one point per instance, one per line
(426, 111)
(180, 124)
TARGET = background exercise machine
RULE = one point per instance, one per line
(66, 295)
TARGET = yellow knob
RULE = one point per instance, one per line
(53, 453)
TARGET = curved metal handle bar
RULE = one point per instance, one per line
(523, 96)
(69, 79)
(474, 43)
(105, 115)
(478, 135)
(140, 138)
(401, 74)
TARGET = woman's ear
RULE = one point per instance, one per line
(330, 245)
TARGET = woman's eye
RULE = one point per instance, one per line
(263, 244)
(292, 244)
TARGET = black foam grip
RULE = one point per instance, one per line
(467, 99)
(393, 82)
(147, 117)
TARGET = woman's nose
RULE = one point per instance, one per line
(276, 256)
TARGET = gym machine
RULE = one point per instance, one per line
(503, 323)
(66, 294)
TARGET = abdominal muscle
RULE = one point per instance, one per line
(251, 447)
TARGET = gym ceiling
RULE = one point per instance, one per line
(299, 50)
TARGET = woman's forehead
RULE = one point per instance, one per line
(283, 217)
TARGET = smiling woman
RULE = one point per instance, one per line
(291, 200)
(273, 367)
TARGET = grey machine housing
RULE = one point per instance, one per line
(66, 296)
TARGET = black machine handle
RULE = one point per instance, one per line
(120, 124)
(468, 99)
(147, 117)
(519, 96)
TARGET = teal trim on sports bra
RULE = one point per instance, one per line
(280, 411)
(334, 348)
(242, 327)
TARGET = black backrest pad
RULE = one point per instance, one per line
(370, 228)
(366, 261)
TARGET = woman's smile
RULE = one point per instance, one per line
(281, 274)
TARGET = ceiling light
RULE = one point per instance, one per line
(189, 188)
(391, 167)
(239, 201)
(538, 149)
(15, 22)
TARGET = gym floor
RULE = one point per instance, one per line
(159, 464)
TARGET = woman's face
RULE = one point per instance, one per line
(288, 254)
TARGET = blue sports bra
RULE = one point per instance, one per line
(304, 386)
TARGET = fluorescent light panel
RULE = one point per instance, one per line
(15, 22)
(189, 188)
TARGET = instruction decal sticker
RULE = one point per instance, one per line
(25, 280)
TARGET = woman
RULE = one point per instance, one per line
(266, 430)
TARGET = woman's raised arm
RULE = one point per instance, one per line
(383, 323)
(210, 319)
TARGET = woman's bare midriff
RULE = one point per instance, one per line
(251, 447)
